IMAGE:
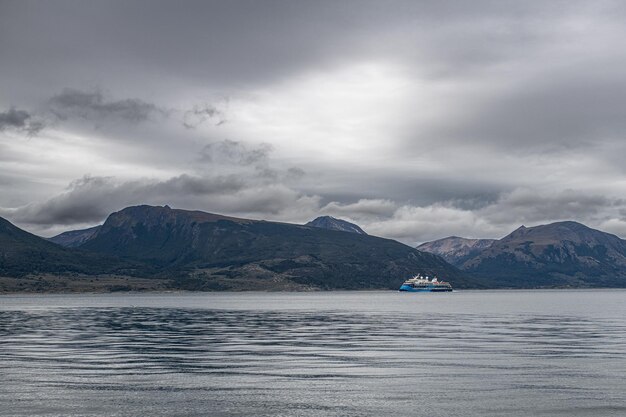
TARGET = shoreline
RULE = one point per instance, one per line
(316, 291)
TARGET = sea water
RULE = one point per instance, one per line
(466, 353)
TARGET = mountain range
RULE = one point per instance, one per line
(562, 254)
(74, 238)
(456, 250)
(203, 251)
(22, 254)
(152, 247)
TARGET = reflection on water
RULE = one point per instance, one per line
(145, 360)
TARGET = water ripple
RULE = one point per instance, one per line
(189, 361)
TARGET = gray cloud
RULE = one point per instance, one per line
(530, 206)
(203, 113)
(295, 173)
(235, 153)
(91, 199)
(417, 224)
(416, 118)
(239, 43)
(364, 208)
(88, 201)
(241, 181)
(92, 105)
(554, 113)
(13, 118)
(20, 120)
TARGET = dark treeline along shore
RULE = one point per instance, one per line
(159, 248)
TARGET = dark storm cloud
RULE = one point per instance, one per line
(14, 118)
(20, 120)
(92, 105)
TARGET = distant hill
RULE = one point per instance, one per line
(209, 251)
(456, 250)
(147, 247)
(563, 254)
(74, 238)
(331, 223)
(22, 253)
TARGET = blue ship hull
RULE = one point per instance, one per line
(408, 288)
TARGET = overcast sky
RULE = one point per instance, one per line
(417, 120)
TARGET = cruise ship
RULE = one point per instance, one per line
(424, 284)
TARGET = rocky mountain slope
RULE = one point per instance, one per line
(208, 251)
(22, 253)
(331, 223)
(74, 238)
(563, 254)
(456, 250)
(203, 251)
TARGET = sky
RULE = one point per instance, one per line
(415, 119)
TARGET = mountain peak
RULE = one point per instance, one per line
(456, 249)
(209, 251)
(570, 225)
(74, 238)
(331, 223)
(152, 215)
(556, 254)
(555, 233)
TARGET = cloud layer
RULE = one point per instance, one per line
(415, 119)
(93, 106)
(19, 120)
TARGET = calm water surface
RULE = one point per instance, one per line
(467, 353)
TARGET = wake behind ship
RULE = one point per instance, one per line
(423, 284)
